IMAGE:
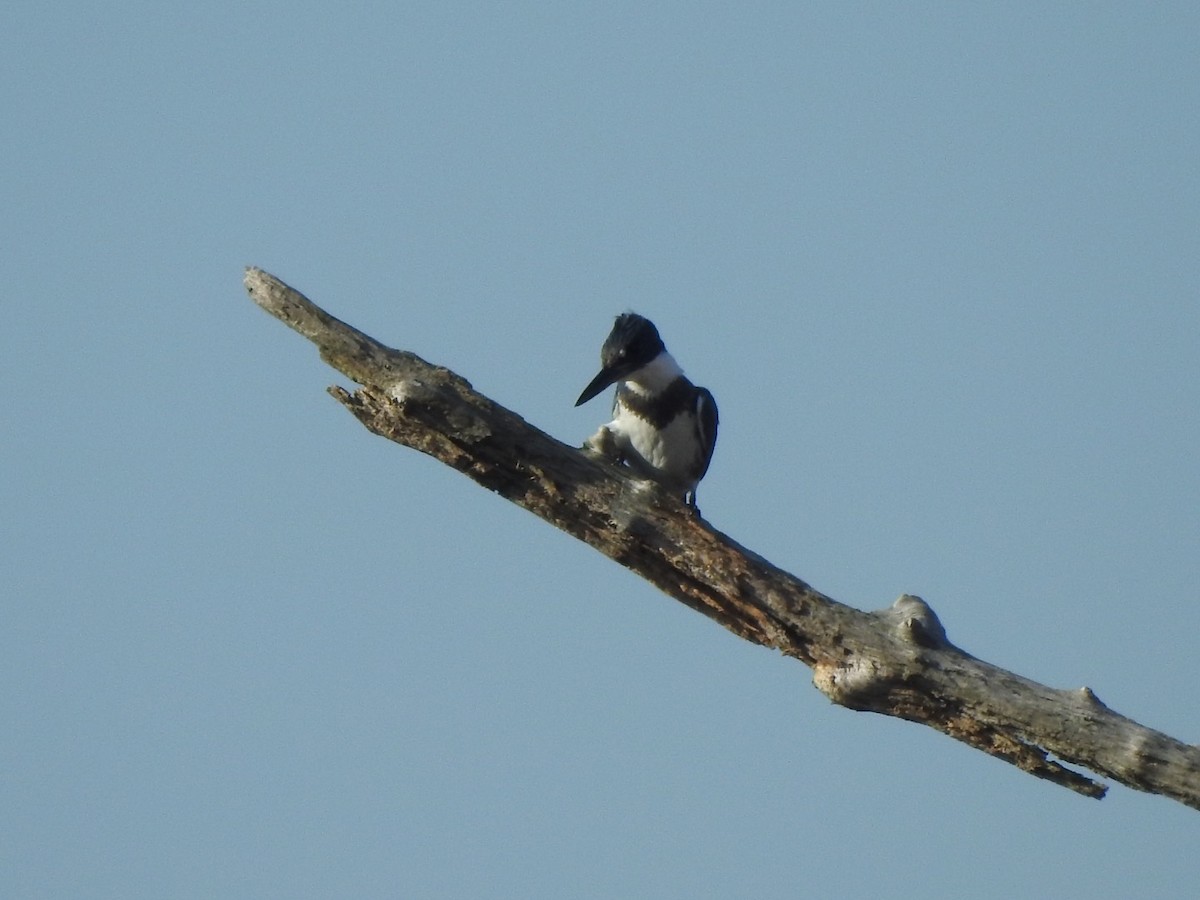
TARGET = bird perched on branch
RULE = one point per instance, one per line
(664, 427)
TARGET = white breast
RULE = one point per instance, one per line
(669, 454)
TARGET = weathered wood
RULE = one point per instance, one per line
(896, 661)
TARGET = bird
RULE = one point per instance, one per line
(663, 427)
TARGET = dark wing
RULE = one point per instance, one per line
(706, 419)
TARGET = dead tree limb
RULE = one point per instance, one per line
(896, 661)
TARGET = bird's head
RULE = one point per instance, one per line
(632, 344)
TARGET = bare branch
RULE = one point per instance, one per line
(896, 661)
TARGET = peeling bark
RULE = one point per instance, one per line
(896, 661)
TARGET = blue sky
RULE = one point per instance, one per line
(938, 263)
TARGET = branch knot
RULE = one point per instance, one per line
(916, 622)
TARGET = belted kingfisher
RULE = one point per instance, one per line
(663, 427)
